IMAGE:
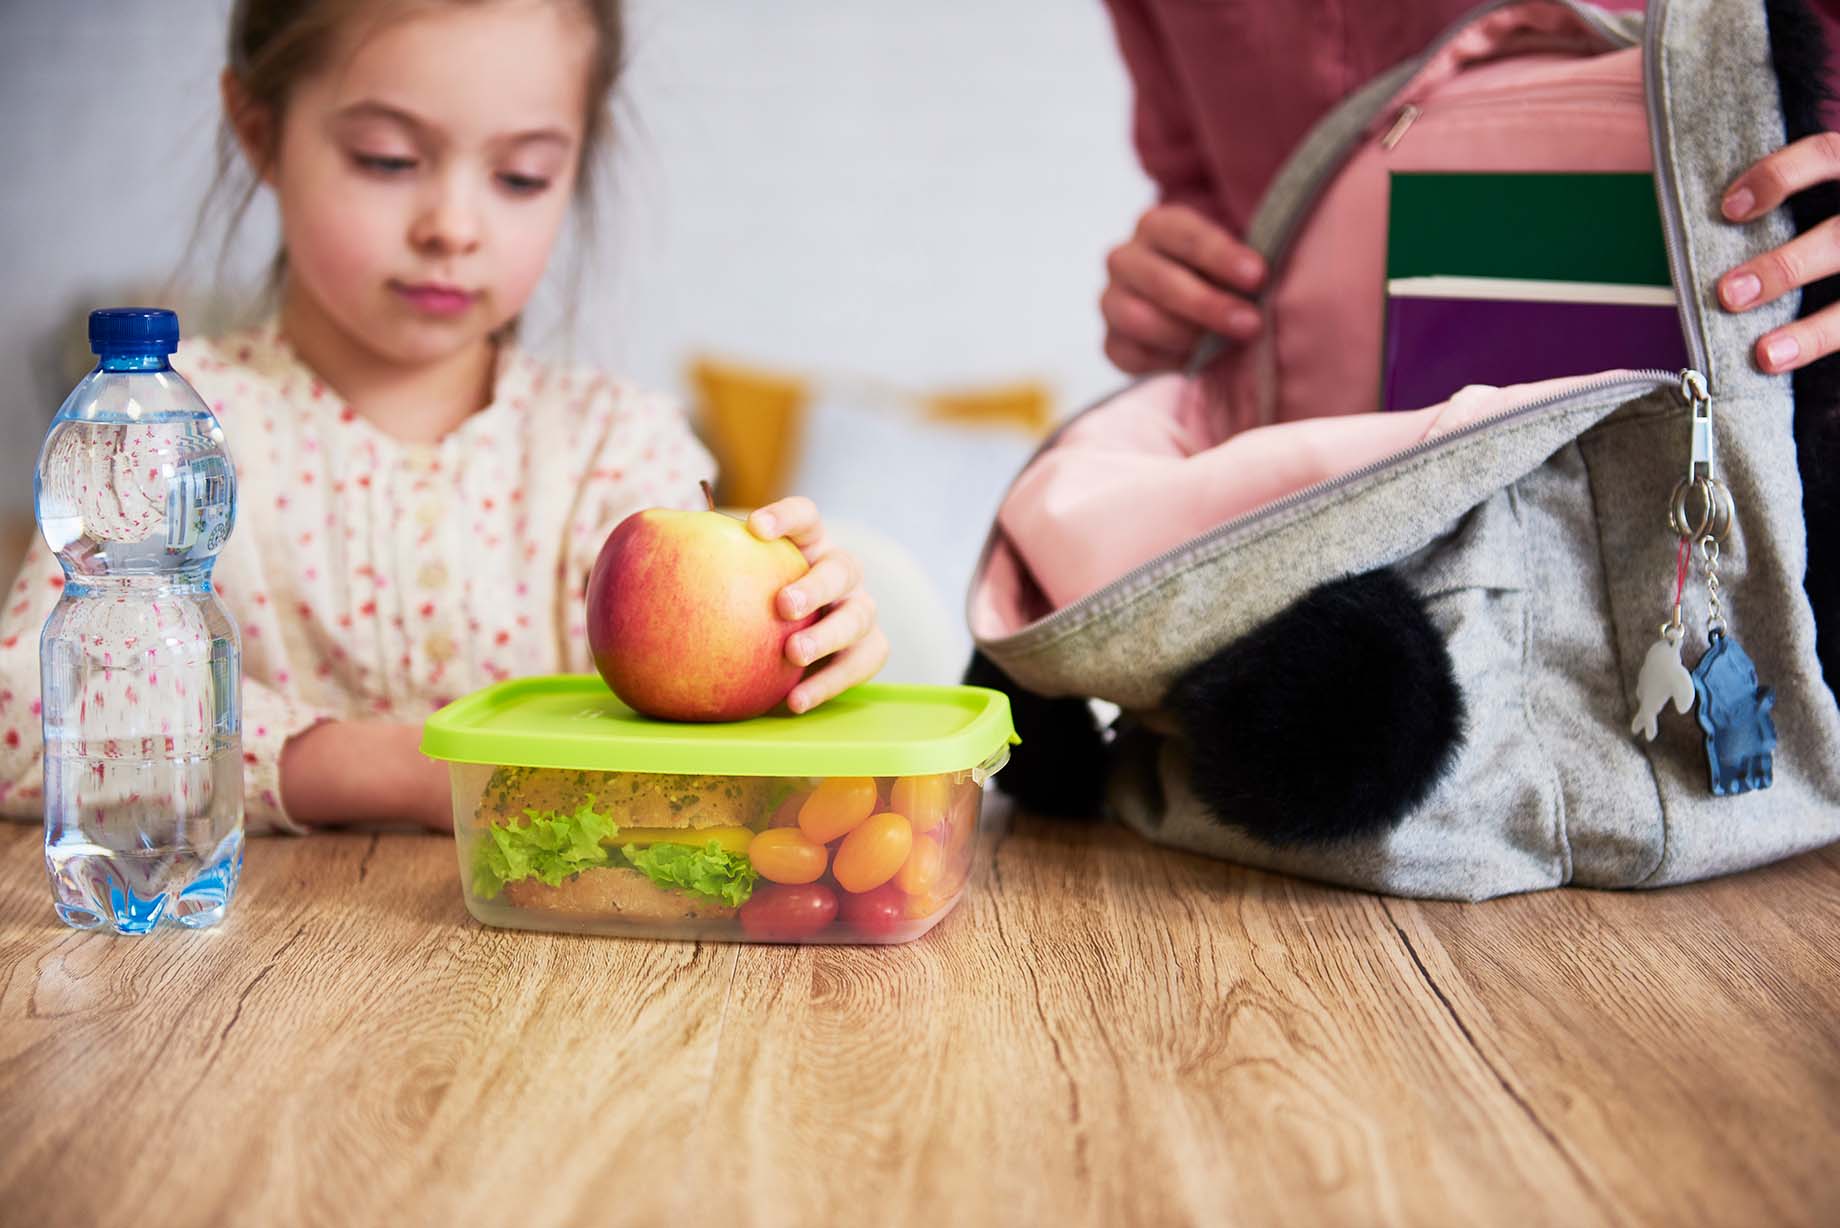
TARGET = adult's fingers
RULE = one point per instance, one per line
(1798, 344)
(1180, 291)
(1135, 317)
(1134, 358)
(1777, 176)
(1186, 235)
(1808, 257)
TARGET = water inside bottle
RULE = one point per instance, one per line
(166, 858)
(143, 760)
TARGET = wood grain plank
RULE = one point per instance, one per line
(350, 1049)
(1115, 1034)
(1105, 1033)
(1684, 1044)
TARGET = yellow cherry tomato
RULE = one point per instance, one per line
(784, 855)
(873, 853)
(961, 826)
(922, 867)
(836, 806)
(923, 799)
(920, 906)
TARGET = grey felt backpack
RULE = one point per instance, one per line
(1537, 550)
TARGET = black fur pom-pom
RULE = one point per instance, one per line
(1061, 765)
(1332, 720)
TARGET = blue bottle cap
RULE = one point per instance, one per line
(133, 331)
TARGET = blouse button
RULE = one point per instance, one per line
(432, 575)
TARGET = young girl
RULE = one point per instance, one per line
(420, 500)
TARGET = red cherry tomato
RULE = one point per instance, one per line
(877, 913)
(787, 815)
(778, 913)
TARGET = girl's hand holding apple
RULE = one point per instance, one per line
(846, 631)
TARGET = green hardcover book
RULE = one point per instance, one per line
(1589, 227)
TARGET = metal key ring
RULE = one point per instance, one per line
(1714, 510)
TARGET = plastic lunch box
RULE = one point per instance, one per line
(856, 822)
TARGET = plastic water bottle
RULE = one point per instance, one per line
(141, 663)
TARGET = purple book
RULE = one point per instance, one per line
(1445, 332)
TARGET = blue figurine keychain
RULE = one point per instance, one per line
(1734, 708)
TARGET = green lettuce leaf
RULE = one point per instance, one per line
(547, 845)
(711, 871)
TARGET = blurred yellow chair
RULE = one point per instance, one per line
(752, 421)
(753, 418)
(1028, 404)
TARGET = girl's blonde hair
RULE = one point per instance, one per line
(275, 43)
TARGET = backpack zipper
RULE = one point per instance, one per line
(1667, 193)
(1580, 94)
(1408, 115)
(1639, 381)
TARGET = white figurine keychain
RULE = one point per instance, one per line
(1699, 511)
(1664, 679)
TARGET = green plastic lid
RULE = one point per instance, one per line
(575, 722)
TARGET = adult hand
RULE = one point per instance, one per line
(1179, 276)
(1804, 259)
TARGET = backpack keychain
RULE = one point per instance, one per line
(1734, 710)
(1664, 679)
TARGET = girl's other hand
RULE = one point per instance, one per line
(364, 772)
(1180, 276)
(845, 638)
(1804, 259)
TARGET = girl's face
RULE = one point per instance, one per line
(424, 174)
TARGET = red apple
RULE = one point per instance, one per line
(683, 619)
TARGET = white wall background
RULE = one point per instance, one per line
(917, 192)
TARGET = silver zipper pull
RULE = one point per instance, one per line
(1701, 505)
(1397, 132)
(1699, 399)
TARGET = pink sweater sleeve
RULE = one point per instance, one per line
(1162, 124)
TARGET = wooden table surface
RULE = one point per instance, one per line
(1105, 1033)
